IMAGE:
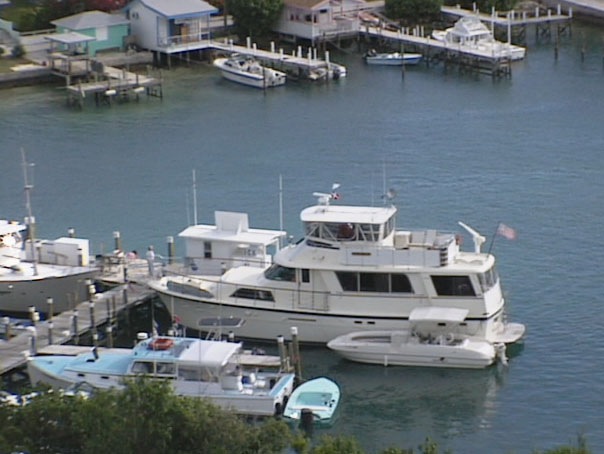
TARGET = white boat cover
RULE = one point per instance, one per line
(438, 314)
(212, 355)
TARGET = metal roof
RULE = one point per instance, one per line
(69, 38)
(90, 19)
(347, 214)
(175, 9)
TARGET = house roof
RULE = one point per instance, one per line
(306, 4)
(69, 38)
(90, 19)
(175, 9)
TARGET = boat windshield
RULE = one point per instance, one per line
(280, 273)
(488, 279)
(346, 231)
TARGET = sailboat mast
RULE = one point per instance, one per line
(30, 219)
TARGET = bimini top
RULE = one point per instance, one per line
(198, 352)
(438, 314)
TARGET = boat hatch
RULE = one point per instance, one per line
(438, 314)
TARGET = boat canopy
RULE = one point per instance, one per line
(209, 354)
(438, 314)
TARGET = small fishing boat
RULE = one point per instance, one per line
(248, 71)
(216, 370)
(426, 343)
(319, 396)
(392, 58)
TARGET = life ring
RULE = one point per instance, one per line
(161, 343)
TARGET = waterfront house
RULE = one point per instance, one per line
(319, 20)
(106, 31)
(170, 26)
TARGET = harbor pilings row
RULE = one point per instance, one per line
(87, 318)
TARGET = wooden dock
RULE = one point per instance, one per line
(60, 329)
(515, 23)
(112, 84)
(467, 59)
(302, 63)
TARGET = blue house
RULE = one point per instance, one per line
(108, 30)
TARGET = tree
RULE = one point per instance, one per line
(254, 18)
(413, 12)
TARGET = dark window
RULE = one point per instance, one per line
(305, 275)
(280, 273)
(453, 285)
(375, 282)
(401, 284)
(348, 281)
(253, 294)
(207, 249)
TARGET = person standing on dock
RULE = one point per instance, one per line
(151, 261)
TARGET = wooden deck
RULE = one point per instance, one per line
(466, 58)
(62, 328)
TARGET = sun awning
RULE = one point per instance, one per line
(438, 314)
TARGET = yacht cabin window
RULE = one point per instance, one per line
(253, 294)
(453, 286)
(374, 282)
(207, 249)
(489, 279)
(305, 274)
(346, 231)
(280, 273)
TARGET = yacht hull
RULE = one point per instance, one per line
(65, 285)
(313, 327)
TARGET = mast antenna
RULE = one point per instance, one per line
(30, 219)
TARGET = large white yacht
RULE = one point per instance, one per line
(353, 270)
(31, 271)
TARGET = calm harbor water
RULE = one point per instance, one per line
(527, 151)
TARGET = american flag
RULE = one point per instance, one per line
(506, 231)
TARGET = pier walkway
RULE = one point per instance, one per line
(516, 22)
(298, 63)
(433, 50)
(100, 310)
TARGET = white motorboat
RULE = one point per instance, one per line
(216, 370)
(428, 342)
(392, 58)
(469, 32)
(353, 270)
(32, 271)
(248, 71)
(319, 396)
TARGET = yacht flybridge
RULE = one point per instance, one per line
(353, 270)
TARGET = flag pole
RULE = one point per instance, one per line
(493, 238)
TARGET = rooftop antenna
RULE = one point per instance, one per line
(477, 237)
(280, 207)
(324, 198)
(194, 198)
(30, 219)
